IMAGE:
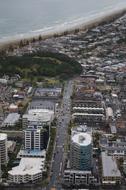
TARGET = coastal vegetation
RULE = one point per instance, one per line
(39, 65)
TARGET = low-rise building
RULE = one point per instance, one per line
(116, 148)
(110, 172)
(47, 93)
(78, 178)
(11, 120)
(29, 170)
(89, 112)
(42, 104)
(41, 116)
(31, 154)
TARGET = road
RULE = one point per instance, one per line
(63, 120)
(62, 125)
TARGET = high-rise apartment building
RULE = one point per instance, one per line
(36, 137)
(81, 151)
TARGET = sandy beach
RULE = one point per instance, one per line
(60, 30)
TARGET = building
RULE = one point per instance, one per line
(11, 146)
(81, 151)
(116, 148)
(42, 104)
(88, 112)
(0, 172)
(3, 149)
(110, 172)
(3, 81)
(13, 108)
(87, 118)
(29, 170)
(109, 114)
(79, 178)
(40, 116)
(124, 167)
(47, 93)
(11, 120)
(36, 137)
(31, 154)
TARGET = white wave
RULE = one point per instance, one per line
(70, 24)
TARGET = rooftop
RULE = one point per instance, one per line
(41, 104)
(3, 136)
(12, 118)
(43, 115)
(29, 166)
(82, 139)
(109, 166)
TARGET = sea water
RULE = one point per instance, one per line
(19, 18)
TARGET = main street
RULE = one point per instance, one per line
(63, 120)
(62, 125)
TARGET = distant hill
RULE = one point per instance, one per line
(40, 64)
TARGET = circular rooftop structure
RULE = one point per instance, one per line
(82, 139)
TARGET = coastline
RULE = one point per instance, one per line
(76, 27)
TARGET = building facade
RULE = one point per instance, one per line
(78, 178)
(81, 151)
(110, 172)
(36, 137)
(3, 149)
(29, 170)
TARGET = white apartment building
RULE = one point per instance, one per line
(3, 149)
(34, 138)
(29, 170)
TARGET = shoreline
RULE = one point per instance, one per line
(106, 17)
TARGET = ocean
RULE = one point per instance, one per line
(26, 18)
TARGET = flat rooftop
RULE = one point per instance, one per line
(47, 92)
(109, 166)
(42, 104)
(43, 115)
(28, 166)
(11, 118)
